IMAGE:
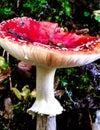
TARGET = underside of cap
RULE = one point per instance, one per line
(48, 56)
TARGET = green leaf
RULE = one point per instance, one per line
(85, 79)
(86, 13)
(16, 92)
(3, 63)
(8, 11)
(97, 17)
(25, 92)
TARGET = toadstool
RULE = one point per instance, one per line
(48, 47)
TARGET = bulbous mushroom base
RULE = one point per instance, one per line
(51, 108)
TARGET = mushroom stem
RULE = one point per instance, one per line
(46, 123)
(45, 83)
(45, 103)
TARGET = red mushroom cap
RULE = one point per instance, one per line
(46, 44)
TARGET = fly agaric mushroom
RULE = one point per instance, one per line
(48, 47)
